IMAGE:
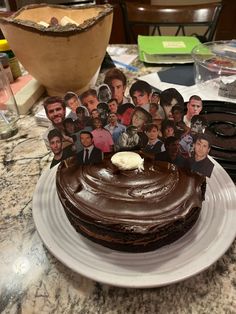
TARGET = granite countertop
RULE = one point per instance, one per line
(32, 280)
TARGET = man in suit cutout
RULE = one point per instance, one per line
(90, 153)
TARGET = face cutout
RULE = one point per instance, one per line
(56, 145)
(97, 124)
(112, 118)
(169, 131)
(70, 128)
(113, 106)
(197, 127)
(86, 139)
(73, 103)
(56, 113)
(138, 119)
(117, 90)
(152, 134)
(104, 93)
(91, 102)
(194, 107)
(140, 98)
(201, 149)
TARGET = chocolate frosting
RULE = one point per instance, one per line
(134, 201)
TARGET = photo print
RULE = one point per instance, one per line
(112, 118)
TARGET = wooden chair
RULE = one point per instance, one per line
(181, 17)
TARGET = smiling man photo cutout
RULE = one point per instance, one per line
(200, 162)
(56, 111)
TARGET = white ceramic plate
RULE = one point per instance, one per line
(198, 249)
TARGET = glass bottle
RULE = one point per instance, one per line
(9, 113)
(5, 63)
(13, 62)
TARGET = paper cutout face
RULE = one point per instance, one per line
(194, 107)
(80, 113)
(94, 114)
(197, 127)
(70, 126)
(168, 99)
(173, 149)
(201, 149)
(86, 139)
(167, 109)
(56, 113)
(112, 118)
(169, 131)
(91, 102)
(97, 123)
(152, 133)
(140, 98)
(118, 90)
(56, 145)
(113, 106)
(155, 98)
(104, 93)
(126, 116)
(177, 115)
(138, 119)
(73, 103)
(103, 110)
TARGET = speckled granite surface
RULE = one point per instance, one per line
(34, 281)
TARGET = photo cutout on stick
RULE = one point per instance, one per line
(102, 137)
(89, 154)
(89, 99)
(103, 111)
(125, 112)
(72, 101)
(115, 128)
(140, 117)
(117, 82)
(73, 132)
(55, 110)
(167, 129)
(155, 97)
(168, 99)
(172, 153)
(197, 127)
(154, 144)
(104, 93)
(194, 107)
(82, 121)
(140, 92)
(180, 127)
(55, 140)
(129, 140)
(113, 105)
(200, 162)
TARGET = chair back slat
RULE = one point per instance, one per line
(180, 16)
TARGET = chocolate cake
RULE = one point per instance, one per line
(130, 210)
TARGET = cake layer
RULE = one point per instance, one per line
(130, 210)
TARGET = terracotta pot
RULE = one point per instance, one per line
(62, 58)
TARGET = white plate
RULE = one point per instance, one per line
(198, 249)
